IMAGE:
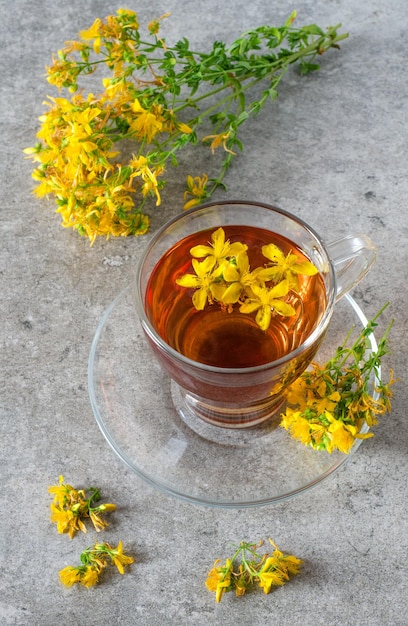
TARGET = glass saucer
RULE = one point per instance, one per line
(131, 398)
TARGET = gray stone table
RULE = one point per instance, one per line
(333, 150)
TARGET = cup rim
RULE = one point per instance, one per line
(309, 341)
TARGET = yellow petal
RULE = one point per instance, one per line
(89, 146)
(200, 299)
(191, 203)
(305, 268)
(217, 291)
(231, 273)
(184, 128)
(273, 253)
(204, 268)
(236, 248)
(201, 251)
(283, 308)
(218, 236)
(188, 280)
(263, 317)
(281, 289)
(232, 293)
(335, 396)
(92, 32)
(270, 273)
(250, 306)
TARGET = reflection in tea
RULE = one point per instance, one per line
(224, 336)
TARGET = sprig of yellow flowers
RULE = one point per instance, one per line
(223, 275)
(71, 507)
(68, 510)
(93, 562)
(328, 405)
(248, 567)
(152, 96)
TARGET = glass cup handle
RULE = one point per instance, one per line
(352, 258)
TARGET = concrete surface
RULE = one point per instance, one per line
(332, 149)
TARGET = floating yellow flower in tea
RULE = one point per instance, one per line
(266, 300)
(224, 276)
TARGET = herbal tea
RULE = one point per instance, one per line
(236, 297)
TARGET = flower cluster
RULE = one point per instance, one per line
(329, 405)
(223, 275)
(248, 567)
(93, 562)
(152, 101)
(68, 510)
(72, 506)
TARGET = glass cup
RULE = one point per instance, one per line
(240, 397)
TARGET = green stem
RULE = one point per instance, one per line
(281, 65)
(368, 330)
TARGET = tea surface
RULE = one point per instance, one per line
(225, 339)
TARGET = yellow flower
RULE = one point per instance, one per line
(93, 33)
(147, 123)
(236, 276)
(71, 506)
(67, 521)
(197, 188)
(298, 426)
(289, 266)
(82, 121)
(218, 140)
(119, 559)
(33, 151)
(241, 583)
(277, 569)
(326, 403)
(219, 579)
(297, 393)
(98, 522)
(219, 249)
(140, 166)
(86, 575)
(70, 575)
(60, 492)
(269, 578)
(90, 576)
(386, 391)
(291, 564)
(318, 432)
(200, 281)
(315, 390)
(63, 73)
(342, 435)
(184, 128)
(128, 16)
(265, 300)
(214, 576)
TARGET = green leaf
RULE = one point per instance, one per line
(313, 29)
(242, 117)
(306, 68)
